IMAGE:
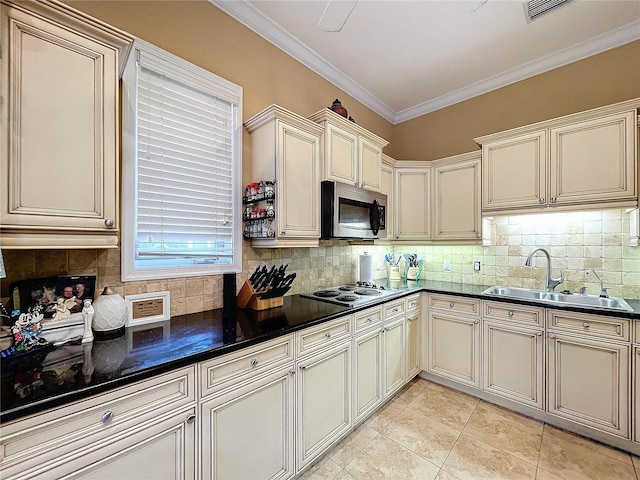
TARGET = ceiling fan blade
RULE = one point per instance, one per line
(335, 15)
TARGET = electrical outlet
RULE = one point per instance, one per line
(476, 266)
(447, 265)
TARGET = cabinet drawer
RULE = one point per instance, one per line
(234, 368)
(469, 306)
(393, 309)
(612, 328)
(513, 313)
(324, 335)
(366, 319)
(60, 432)
(413, 302)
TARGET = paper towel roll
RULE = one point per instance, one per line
(366, 268)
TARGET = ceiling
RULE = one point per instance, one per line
(403, 59)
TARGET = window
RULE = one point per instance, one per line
(181, 206)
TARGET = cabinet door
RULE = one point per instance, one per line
(160, 449)
(323, 402)
(298, 182)
(387, 187)
(514, 172)
(394, 356)
(454, 347)
(341, 156)
(636, 393)
(59, 157)
(367, 374)
(457, 210)
(589, 382)
(513, 363)
(412, 193)
(370, 165)
(255, 420)
(594, 161)
(413, 344)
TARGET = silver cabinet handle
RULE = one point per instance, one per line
(369, 319)
(254, 362)
(451, 304)
(554, 199)
(586, 325)
(552, 335)
(292, 371)
(108, 222)
(539, 334)
(328, 334)
(510, 314)
(302, 367)
(541, 200)
(191, 418)
(475, 322)
(283, 232)
(106, 417)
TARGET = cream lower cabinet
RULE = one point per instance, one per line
(588, 363)
(248, 432)
(147, 430)
(513, 362)
(323, 401)
(453, 336)
(59, 156)
(367, 363)
(413, 342)
(287, 148)
(636, 393)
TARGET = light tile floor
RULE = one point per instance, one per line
(431, 432)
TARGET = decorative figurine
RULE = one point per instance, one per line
(87, 314)
(26, 332)
(61, 310)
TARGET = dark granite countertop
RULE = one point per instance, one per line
(52, 376)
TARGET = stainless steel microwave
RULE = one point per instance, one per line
(349, 212)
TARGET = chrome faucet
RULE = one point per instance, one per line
(603, 290)
(551, 282)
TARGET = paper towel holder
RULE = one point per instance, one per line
(366, 268)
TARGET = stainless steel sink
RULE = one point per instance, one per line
(609, 303)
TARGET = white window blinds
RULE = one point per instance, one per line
(185, 174)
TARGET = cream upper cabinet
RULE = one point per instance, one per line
(412, 213)
(287, 148)
(577, 161)
(59, 157)
(352, 154)
(457, 213)
(387, 187)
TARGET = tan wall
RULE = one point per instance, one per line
(603, 79)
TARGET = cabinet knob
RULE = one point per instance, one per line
(328, 334)
(302, 367)
(451, 305)
(475, 322)
(369, 319)
(554, 199)
(283, 232)
(541, 200)
(552, 335)
(106, 417)
(510, 314)
(191, 417)
(637, 351)
(362, 184)
(108, 222)
(356, 184)
(586, 325)
(292, 371)
(539, 334)
(254, 362)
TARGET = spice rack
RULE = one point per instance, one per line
(259, 210)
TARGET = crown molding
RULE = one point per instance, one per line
(253, 19)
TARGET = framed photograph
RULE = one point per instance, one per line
(74, 289)
(34, 292)
(146, 308)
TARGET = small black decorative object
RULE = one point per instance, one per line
(338, 108)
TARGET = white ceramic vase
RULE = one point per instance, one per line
(110, 311)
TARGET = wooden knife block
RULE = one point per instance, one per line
(248, 298)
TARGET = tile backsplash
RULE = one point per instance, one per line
(577, 241)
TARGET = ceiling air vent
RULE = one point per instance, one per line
(537, 8)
